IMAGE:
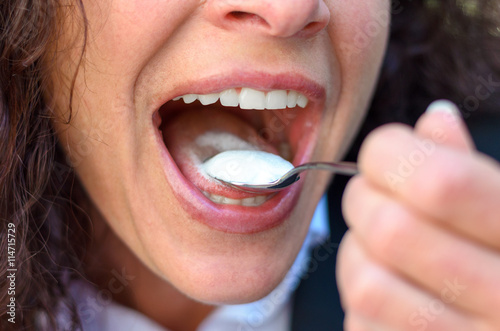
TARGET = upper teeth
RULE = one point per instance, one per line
(248, 98)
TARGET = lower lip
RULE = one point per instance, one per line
(224, 217)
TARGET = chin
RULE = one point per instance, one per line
(235, 268)
(237, 287)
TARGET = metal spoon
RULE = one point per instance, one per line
(341, 168)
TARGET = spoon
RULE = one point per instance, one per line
(341, 168)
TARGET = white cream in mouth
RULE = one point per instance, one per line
(248, 98)
(247, 167)
(239, 161)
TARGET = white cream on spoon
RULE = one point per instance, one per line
(247, 167)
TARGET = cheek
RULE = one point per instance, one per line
(124, 33)
(358, 33)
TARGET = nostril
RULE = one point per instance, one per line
(312, 27)
(239, 15)
(245, 17)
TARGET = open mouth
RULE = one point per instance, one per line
(192, 127)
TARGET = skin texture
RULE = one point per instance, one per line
(139, 51)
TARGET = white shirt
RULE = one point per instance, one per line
(271, 313)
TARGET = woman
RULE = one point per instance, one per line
(100, 165)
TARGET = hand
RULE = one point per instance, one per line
(423, 249)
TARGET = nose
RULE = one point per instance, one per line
(279, 18)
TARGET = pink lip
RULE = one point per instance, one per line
(255, 79)
(234, 218)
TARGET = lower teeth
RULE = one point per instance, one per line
(247, 202)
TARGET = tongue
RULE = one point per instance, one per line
(196, 135)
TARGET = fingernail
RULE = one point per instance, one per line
(445, 107)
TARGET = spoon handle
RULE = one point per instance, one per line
(341, 168)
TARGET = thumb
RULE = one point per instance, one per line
(443, 123)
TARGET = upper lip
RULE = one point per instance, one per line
(259, 80)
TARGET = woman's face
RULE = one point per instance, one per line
(137, 152)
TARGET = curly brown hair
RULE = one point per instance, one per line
(437, 49)
(42, 231)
